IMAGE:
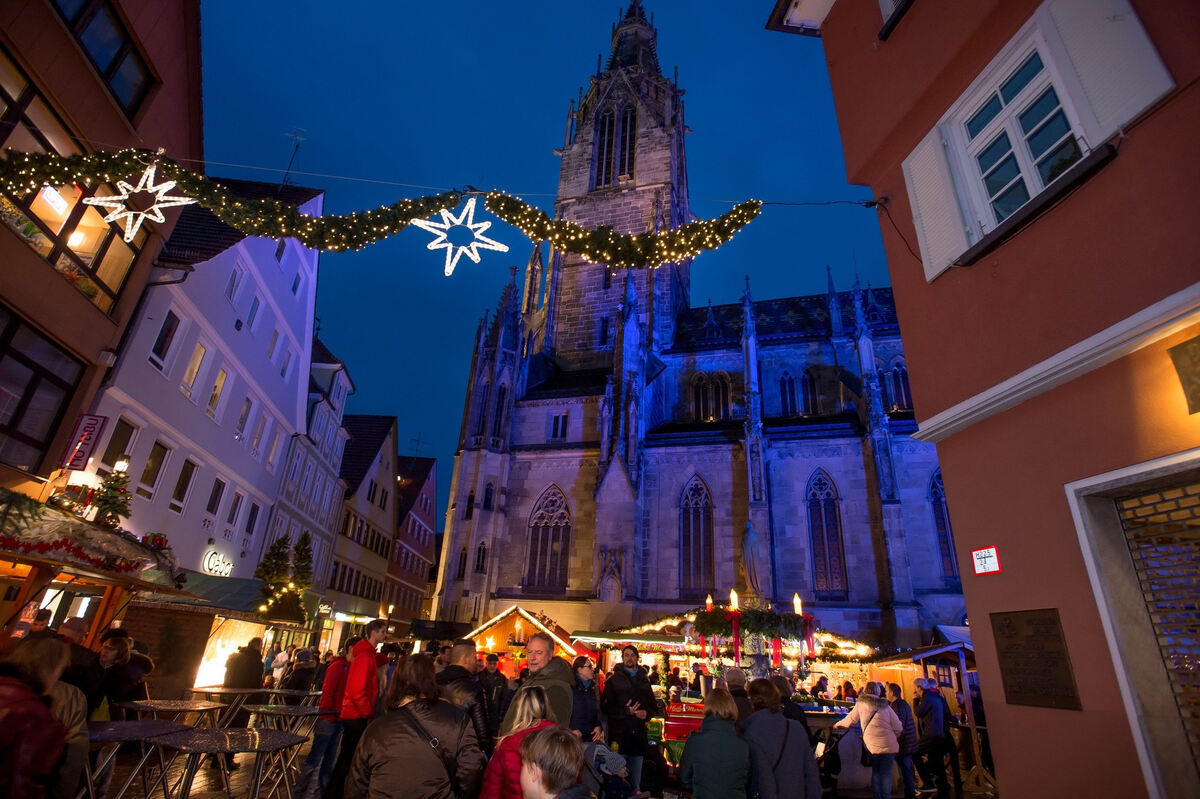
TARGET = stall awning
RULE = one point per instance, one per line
(236, 597)
(649, 641)
(947, 651)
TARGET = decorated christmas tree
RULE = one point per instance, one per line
(111, 500)
(302, 562)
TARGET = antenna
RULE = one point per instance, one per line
(296, 138)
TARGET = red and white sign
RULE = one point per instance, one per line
(986, 560)
(83, 441)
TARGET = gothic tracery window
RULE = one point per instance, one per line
(626, 149)
(808, 393)
(616, 146)
(901, 393)
(941, 523)
(549, 542)
(710, 398)
(825, 529)
(787, 394)
(481, 558)
(498, 413)
(695, 540)
(488, 496)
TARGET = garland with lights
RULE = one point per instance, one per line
(23, 173)
(622, 251)
(754, 621)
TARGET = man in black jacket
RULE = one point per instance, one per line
(243, 669)
(494, 683)
(932, 711)
(458, 683)
(628, 701)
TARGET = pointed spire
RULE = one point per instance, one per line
(836, 327)
(749, 329)
(635, 41)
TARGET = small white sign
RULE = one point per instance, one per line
(986, 560)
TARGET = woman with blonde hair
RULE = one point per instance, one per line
(716, 761)
(531, 712)
(31, 738)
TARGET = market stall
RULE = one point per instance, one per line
(507, 633)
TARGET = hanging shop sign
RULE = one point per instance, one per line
(986, 560)
(217, 564)
(83, 441)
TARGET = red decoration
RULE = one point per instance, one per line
(74, 550)
(702, 647)
(734, 617)
(776, 652)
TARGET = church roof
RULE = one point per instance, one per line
(787, 317)
(580, 383)
(199, 235)
(367, 434)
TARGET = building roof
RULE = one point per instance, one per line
(367, 434)
(413, 472)
(199, 235)
(321, 354)
(579, 383)
(721, 325)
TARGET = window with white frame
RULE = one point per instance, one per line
(218, 390)
(183, 485)
(234, 282)
(1063, 86)
(162, 342)
(153, 468)
(193, 369)
(252, 314)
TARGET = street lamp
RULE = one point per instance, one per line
(122, 464)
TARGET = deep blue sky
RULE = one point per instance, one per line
(441, 95)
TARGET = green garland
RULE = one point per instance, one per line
(620, 251)
(755, 621)
(24, 173)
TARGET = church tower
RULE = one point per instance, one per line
(623, 166)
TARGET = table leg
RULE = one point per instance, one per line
(138, 769)
(258, 775)
(189, 774)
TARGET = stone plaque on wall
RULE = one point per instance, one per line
(1035, 666)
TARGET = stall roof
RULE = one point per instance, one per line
(16, 566)
(615, 638)
(948, 634)
(237, 596)
(929, 653)
(552, 628)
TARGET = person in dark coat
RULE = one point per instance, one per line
(787, 707)
(122, 678)
(302, 677)
(716, 761)
(627, 702)
(908, 739)
(468, 694)
(930, 709)
(243, 669)
(782, 763)
(493, 682)
(585, 709)
(735, 678)
(394, 759)
(31, 738)
(84, 670)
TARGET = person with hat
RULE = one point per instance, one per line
(302, 676)
(84, 671)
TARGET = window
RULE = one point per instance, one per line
(239, 432)
(1045, 103)
(383, 498)
(234, 282)
(182, 485)
(118, 445)
(710, 398)
(162, 342)
(36, 381)
(286, 364)
(941, 525)
(235, 507)
(153, 468)
(488, 493)
(606, 133)
(214, 497)
(296, 284)
(214, 396)
(252, 314)
(109, 45)
(279, 249)
(696, 576)
(602, 332)
(498, 415)
(273, 451)
(549, 542)
(481, 422)
(825, 530)
(481, 558)
(808, 392)
(625, 153)
(616, 143)
(462, 563)
(898, 386)
(256, 439)
(272, 344)
(470, 504)
(787, 395)
(193, 369)
(371, 488)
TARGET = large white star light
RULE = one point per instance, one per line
(119, 208)
(455, 251)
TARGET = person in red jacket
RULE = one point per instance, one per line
(318, 766)
(358, 701)
(531, 712)
(31, 738)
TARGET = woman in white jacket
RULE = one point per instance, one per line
(881, 728)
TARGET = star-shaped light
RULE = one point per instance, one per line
(455, 251)
(119, 208)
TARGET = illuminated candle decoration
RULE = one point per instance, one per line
(708, 605)
(118, 204)
(733, 599)
(797, 605)
(454, 251)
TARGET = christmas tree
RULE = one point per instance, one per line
(281, 597)
(302, 562)
(111, 500)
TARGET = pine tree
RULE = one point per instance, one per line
(111, 500)
(274, 567)
(302, 562)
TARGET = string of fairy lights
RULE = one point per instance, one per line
(24, 173)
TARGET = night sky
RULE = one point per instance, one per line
(401, 99)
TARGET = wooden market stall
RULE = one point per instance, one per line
(507, 633)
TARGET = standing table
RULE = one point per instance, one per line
(121, 732)
(267, 746)
(177, 707)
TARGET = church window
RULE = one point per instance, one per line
(606, 134)
(462, 563)
(787, 394)
(901, 393)
(607, 278)
(558, 427)
(549, 542)
(627, 147)
(487, 496)
(825, 528)
(808, 392)
(481, 558)
(603, 333)
(695, 540)
(470, 505)
(481, 423)
(710, 398)
(498, 414)
(941, 523)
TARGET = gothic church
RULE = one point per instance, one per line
(623, 454)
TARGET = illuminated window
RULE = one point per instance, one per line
(218, 388)
(193, 368)
(119, 444)
(152, 470)
(710, 398)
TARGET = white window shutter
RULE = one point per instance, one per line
(936, 214)
(1112, 57)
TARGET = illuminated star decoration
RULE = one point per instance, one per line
(455, 251)
(119, 208)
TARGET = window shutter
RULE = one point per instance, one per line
(1110, 54)
(936, 214)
